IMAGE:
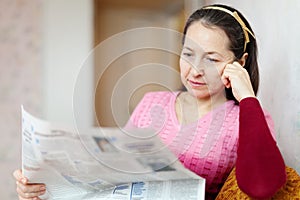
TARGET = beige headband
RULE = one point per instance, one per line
(240, 21)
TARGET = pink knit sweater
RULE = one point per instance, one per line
(207, 147)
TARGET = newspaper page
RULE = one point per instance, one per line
(103, 163)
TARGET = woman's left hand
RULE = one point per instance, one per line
(237, 77)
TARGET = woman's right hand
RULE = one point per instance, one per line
(28, 191)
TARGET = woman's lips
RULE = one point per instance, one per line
(195, 84)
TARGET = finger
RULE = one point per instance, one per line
(236, 63)
(34, 198)
(19, 176)
(234, 71)
(238, 68)
(234, 67)
(226, 77)
(225, 81)
(24, 195)
(30, 188)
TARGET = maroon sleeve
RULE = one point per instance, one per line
(260, 168)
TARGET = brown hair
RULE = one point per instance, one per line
(234, 31)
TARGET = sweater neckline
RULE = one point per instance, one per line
(226, 105)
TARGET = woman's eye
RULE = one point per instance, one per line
(187, 54)
(212, 60)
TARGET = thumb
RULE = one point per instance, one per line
(225, 80)
(19, 176)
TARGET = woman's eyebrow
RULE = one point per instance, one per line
(213, 52)
(206, 52)
(188, 48)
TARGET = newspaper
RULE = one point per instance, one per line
(103, 163)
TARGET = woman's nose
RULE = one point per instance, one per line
(197, 69)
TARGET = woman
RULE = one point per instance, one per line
(217, 123)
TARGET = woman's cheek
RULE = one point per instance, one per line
(213, 77)
(221, 69)
(215, 72)
(183, 74)
(184, 68)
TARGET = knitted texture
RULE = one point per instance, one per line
(207, 147)
(260, 168)
(290, 191)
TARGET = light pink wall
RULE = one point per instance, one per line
(20, 81)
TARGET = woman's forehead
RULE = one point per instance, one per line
(200, 37)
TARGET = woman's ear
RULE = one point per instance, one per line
(243, 59)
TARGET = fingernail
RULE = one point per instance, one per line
(23, 180)
(35, 198)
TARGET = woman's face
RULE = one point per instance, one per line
(203, 58)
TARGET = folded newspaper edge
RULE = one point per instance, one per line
(103, 163)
